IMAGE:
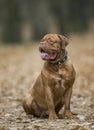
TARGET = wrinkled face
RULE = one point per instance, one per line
(51, 45)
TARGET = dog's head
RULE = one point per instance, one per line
(51, 46)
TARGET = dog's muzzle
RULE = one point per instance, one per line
(48, 54)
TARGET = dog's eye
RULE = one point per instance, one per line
(50, 41)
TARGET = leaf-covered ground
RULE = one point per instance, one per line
(19, 67)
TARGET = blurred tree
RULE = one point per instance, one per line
(72, 15)
(11, 19)
(27, 20)
(39, 17)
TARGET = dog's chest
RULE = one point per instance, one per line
(60, 83)
(59, 88)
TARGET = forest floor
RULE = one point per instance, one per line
(20, 65)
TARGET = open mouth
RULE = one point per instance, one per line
(48, 55)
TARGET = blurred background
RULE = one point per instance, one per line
(22, 24)
(23, 21)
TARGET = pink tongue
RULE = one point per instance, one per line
(44, 55)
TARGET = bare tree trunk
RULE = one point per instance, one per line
(11, 21)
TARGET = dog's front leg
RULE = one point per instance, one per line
(50, 103)
(67, 97)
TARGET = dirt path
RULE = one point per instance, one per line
(20, 65)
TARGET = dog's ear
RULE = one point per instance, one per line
(64, 41)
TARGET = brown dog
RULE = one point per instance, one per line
(53, 88)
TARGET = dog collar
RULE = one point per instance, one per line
(61, 60)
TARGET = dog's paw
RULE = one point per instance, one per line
(53, 117)
(68, 114)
